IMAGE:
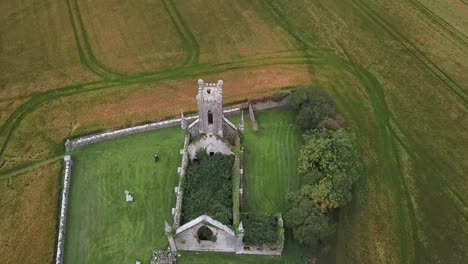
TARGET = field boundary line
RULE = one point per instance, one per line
(63, 209)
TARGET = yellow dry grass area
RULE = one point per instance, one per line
(131, 36)
(8, 106)
(41, 134)
(227, 30)
(37, 48)
(28, 209)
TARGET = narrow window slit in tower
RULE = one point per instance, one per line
(210, 117)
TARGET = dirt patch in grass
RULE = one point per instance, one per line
(29, 216)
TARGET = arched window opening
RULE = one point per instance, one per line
(210, 117)
(204, 233)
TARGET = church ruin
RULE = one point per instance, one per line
(213, 133)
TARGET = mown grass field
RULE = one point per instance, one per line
(271, 162)
(102, 227)
(397, 70)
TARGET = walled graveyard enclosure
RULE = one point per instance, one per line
(102, 227)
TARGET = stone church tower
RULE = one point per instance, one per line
(210, 107)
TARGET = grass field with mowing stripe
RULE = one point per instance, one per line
(102, 227)
(270, 162)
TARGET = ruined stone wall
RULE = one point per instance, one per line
(277, 250)
(186, 237)
(177, 211)
(188, 240)
(210, 143)
(253, 121)
(229, 131)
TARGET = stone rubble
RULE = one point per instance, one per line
(163, 257)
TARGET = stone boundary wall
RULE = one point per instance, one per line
(72, 144)
(63, 209)
(95, 138)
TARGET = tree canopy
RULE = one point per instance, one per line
(329, 165)
(313, 105)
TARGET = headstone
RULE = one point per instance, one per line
(128, 196)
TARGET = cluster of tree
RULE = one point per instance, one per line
(315, 109)
(328, 163)
(208, 188)
(260, 229)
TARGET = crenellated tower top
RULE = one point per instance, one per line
(210, 107)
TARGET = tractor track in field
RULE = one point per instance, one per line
(451, 85)
(87, 57)
(383, 117)
(37, 100)
(89, 60)
(189, 42)
(441, 22)
(191, 69)
(33, 166)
